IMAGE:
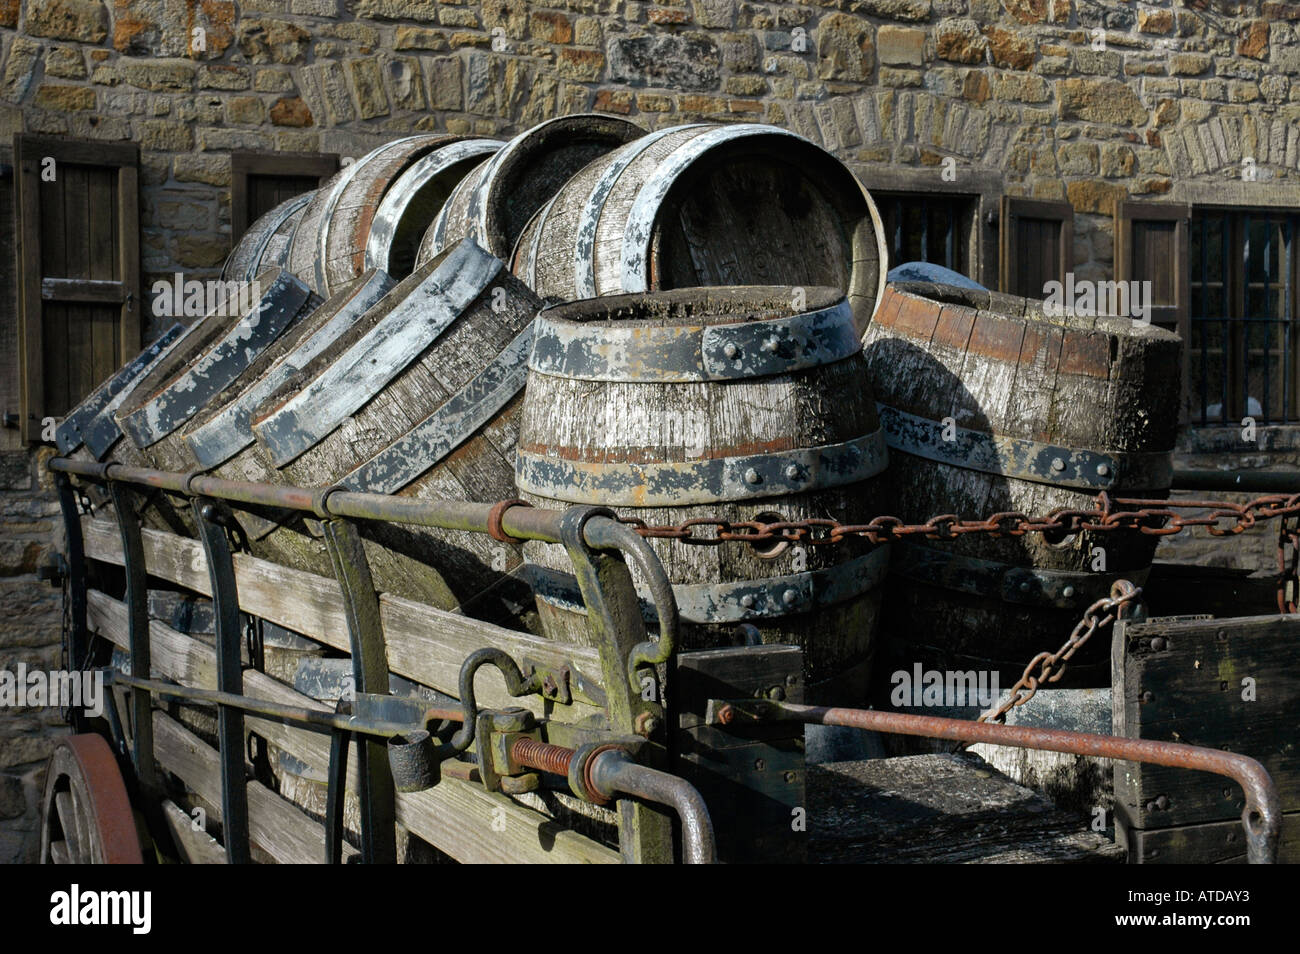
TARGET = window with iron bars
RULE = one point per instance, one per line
(924, 227)
(1243, 302)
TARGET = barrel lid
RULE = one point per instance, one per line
(369, 364)
(183, 396)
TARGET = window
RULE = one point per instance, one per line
(1035, 245)
(928, 227)
(261, 181)
(78, 270)
(1243, 343)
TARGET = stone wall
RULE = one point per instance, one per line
(1083, 100)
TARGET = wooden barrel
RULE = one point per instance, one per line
(329, 244)
(989, 405)
(707, 204)
(216, 351)
(411, 400)
(494, 202)
(742, 404)
(69, 437)
(266, 243)
(413, 201)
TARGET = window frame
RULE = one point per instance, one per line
(246, 164)
(34, 290)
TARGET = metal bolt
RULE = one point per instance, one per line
(1024, 587)
(1103, 470)
(760, 764)
(1147, 696)
(549, 685)
(730, 349)
(208, 512)
(726, 715)
(752, 477)
(1058, 465)
(792, 681)
(776, 694)
(647, 724)
(771, 344)
(1068, 592)
(792, 472)
(789, 596)
(747, 601)
(791, 777)
(1158, 643)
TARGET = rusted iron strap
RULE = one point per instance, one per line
(712, 480)
(68, 436)
(599, 351)
(1030, 586)
(1261, 817)
(1023, 459)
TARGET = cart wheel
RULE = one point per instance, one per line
(87, 815)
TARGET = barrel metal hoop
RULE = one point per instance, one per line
(739, 600)
(336, 193)
(429, 442)
(104, 430)
(1027, 586)
(68, 436)
(287, 209)
(1022, 459)
(645, 209)
(728, 352)
(717, 480)
(476, 210)
(584, 259)
(265, 321)
(228, 432)
(383, 227)
(384, 352)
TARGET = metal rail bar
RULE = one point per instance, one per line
(1263, 481)
(319, 720)
(614, 773)
(521, 523)
(1262, 816)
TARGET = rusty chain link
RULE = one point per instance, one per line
(1152, 517)
(1122, 594)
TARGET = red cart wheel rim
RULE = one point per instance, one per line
(87, 817)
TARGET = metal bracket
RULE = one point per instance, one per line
(137, 608)
(554, 680)
(370, 674)
(211, 517)
(78, 638)
(617, 629)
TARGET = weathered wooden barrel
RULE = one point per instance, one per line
(329, 244)
(740, 404)
(707, 204)
(413, 201)
(494, 202)
(415, 398)
(266, 243)
(204, 362)
(69, 437)
(990, 406)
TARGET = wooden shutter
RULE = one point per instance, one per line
(78, 270)
(261, 181)
(1035, 244)
(1151, 245)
